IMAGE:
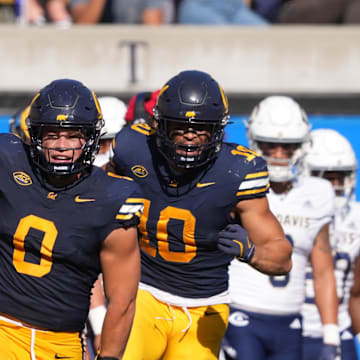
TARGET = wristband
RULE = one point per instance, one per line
(331, 334)
(96, 318)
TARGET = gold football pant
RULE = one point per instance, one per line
(18, 342)
(167, 332)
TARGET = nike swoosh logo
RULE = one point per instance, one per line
(207, 313)
(61, 357)
(81, 200)
(199, 185)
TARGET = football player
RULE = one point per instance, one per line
(141, 108)
(332, 157)
(269, 326)
(51, 253)
(194, 186)
(113, 110)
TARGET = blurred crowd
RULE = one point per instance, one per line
(64, 13)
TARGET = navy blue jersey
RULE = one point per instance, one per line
(50, 241)
(183, 214)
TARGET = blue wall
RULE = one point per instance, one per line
(348, 125)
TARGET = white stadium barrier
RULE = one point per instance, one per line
(127, 59)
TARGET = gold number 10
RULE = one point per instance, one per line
(188, 234)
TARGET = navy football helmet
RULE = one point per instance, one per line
(65, 103)
(191, 98)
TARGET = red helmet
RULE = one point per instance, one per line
(140, 107)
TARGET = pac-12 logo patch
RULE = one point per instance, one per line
(139, 171)
(22, 178)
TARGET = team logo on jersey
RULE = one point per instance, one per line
(21, 178)
(139, 171)
(52, 196)
(239, 318)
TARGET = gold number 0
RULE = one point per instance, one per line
(162, 235)
(50, 235)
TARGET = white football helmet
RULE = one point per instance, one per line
(279, 119)
(331, 151)
(114, 111)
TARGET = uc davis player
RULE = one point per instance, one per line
(63, 221)
(332, 157)
(194, 186)
(269, 326)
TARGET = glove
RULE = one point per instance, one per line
(234, 240)
(329, 352)
(98, 357)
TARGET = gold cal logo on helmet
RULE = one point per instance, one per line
(21, 178)
(190, 114)
(61, 117)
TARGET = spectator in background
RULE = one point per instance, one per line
(147, 12)
(320, 11)
(7, 12)
(40, 12)
(215, 12)
(268, 9)
(113, 110)
(309, 11)
(332, 157)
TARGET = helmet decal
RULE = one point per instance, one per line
(97, 105)
(224, 98)
(163, 89)
(61, 117)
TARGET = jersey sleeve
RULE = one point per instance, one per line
(130, 212)
(127, 203)
(255, 182)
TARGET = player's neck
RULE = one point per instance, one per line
(281, 187)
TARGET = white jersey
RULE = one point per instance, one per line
(302, 212)
(345, 241)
